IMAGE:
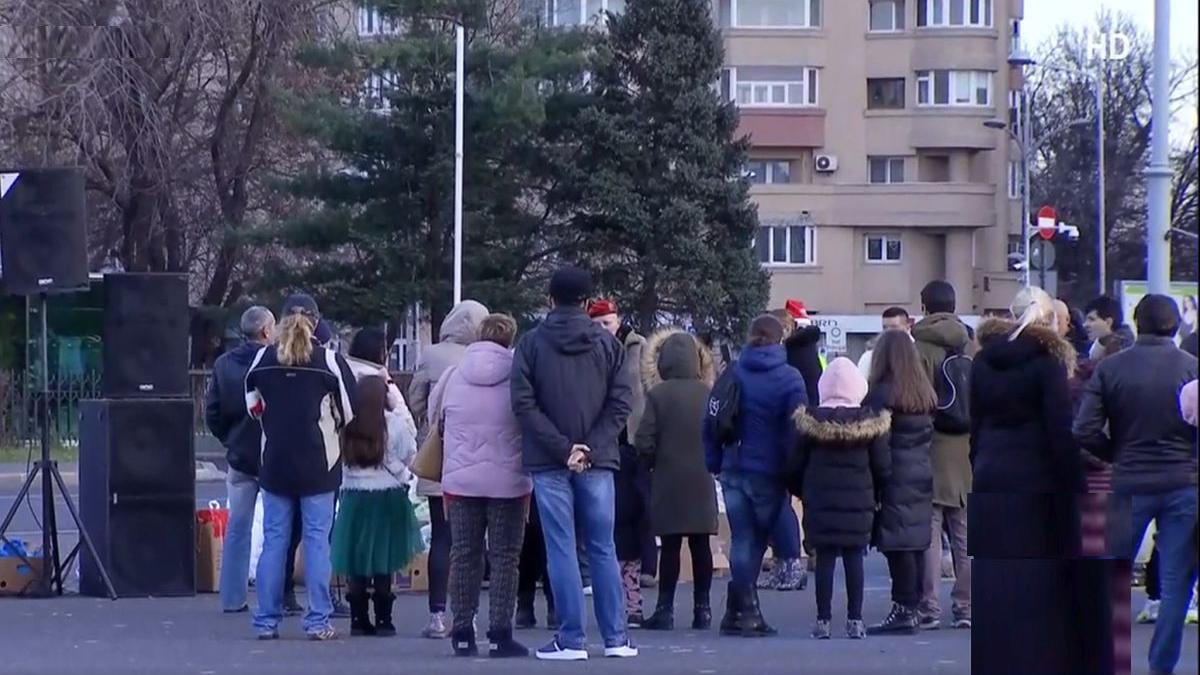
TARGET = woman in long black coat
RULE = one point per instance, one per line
(1031, 598)
(902, 532)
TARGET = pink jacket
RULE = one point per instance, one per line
(481, 441)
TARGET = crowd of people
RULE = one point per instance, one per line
(583, 456)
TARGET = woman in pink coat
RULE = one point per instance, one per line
(484, 485)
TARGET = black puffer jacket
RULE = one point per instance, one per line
(225, 409)
(1027, 466)
(803, 355)
(906, 508)
(838, 469)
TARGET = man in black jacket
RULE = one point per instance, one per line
(227, 419)
(1135, 394)
(572, 395)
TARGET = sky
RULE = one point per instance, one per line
(1043, 17)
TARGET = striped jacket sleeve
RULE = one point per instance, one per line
(342, 387)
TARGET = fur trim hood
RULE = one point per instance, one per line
(843, 426)
(994, 334)
(652, 365)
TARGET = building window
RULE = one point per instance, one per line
(771, 86)
(954, 13)
(883, 248)
(772, 13)
(768, 172)
(786, 245)
(1014, 180)
(885, 93)
(967, 88)
(886, 16)
(886, 169)
(580, 12)
(376, 90)
(372, 23)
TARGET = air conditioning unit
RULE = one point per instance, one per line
(825, 163)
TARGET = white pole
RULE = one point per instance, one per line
(1101, 236)
(1026, 164)
(1158, 173)
(459, 76)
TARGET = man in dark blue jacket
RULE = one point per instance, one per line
(227, 419)
(572, 397)
(751, 470)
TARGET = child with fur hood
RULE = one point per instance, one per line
(838, 468)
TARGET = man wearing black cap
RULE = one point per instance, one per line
(572, 396)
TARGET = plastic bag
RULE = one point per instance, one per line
(256, 536)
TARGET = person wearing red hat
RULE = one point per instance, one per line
(636, 548)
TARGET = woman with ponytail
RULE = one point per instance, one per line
(1029, 613)
(303, 396)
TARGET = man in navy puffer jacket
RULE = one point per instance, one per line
(751, 471)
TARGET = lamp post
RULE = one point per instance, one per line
(459, 76)
(1020, 59)
(1158, 173)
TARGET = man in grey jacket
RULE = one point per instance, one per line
(459, 329)
(1130, 416)
(571, 394)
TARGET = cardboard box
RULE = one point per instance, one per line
(718, 543)
(18, 578)
(414, 578)
(209, 549)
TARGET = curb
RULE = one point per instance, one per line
(206, 472)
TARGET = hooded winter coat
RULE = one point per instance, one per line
(803, 355)
(1028, 469)
(635, 347)
(937, 336)
(225, 409)
(677, 372)
(401, 437)
(482, 442)
(771, 390)
(570, 386)
(838, 469)
(459, 329)
(906, 504)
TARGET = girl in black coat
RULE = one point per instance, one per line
(902, 526)
(839, 466)
(1023, 514)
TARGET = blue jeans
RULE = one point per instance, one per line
(588, 499)
(752, 504)
(785, 536)
(242, 490)
(1175, 516)
(316, 517)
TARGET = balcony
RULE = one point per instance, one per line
(783, 127)
(915, 205)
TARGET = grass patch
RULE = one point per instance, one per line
(19, 454)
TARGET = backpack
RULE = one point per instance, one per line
(723, 404)
(952, 383)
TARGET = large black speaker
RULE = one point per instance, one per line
(145, 337)
(43, 241)
(137, 496)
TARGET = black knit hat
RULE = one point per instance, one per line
(300, 303)
(570, 286)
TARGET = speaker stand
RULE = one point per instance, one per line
(53, 567)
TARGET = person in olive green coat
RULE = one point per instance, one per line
(677, 371)
(939, 334)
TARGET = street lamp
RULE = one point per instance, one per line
(459, 76)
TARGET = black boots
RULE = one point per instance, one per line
(664, 612)
(900, 621)
(751, 622)
(702, 617)
(525, 618)
(733, 613)
(501, 645)
(360, 619)
(463, 641)
(383, 614)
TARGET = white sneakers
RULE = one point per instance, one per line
(556, 652)
(1149, 613)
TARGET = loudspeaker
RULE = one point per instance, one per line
(43, 241)
(145, 336)
(137, 496)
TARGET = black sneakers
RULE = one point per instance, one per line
(900, 621)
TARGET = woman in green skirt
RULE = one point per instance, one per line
(376, 532)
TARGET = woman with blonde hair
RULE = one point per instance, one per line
(1028, 474)
(303, 395)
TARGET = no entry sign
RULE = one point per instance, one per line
(1047, 222)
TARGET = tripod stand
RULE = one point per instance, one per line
(53, 567)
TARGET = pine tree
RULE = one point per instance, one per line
(663, 207)
(379, 235)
